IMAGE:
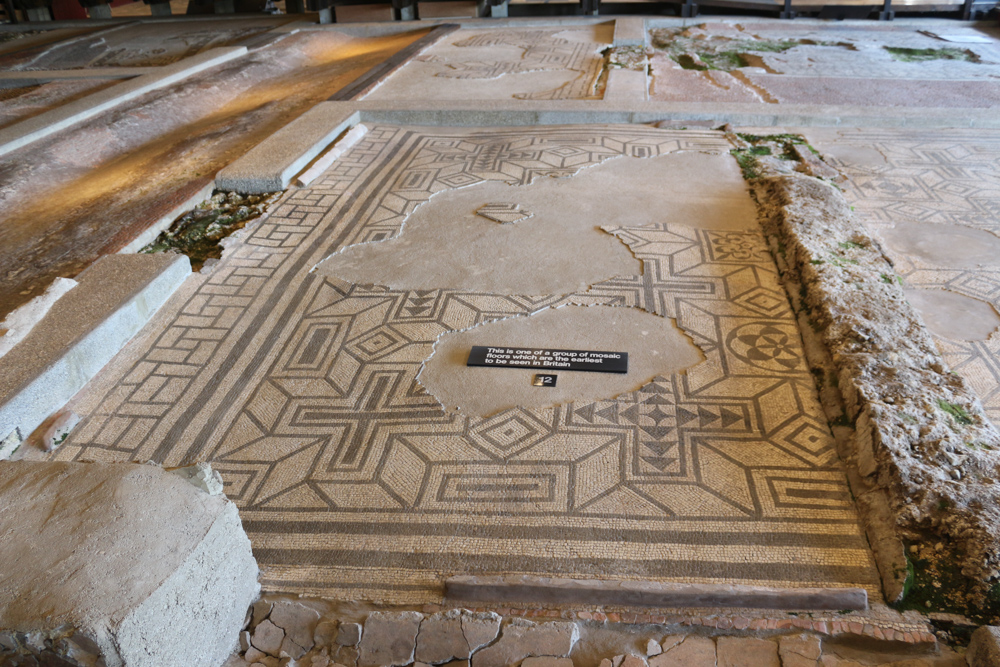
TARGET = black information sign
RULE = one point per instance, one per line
(544, 380)
(561, 360)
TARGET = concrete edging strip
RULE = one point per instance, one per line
(630, 31)
(569, 112)
(270, 165)
(48, 123)
(649, 593)
(115, 298)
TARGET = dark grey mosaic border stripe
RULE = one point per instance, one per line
(542, 566)
(632, 536)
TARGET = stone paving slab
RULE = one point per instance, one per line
(271, 165)
(34, 77)
(32, 129)
(81, 333)
(630, 31)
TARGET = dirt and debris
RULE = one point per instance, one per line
(923, 458)
(693, 48)
(923, 55)
(199, 232)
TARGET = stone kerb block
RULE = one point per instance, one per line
(984, 648)
(120, 565)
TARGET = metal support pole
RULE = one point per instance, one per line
(787, 12)
(8, 5)
(886, 14)
(689, 9)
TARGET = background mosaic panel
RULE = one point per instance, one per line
(945, 177)
(302, 391)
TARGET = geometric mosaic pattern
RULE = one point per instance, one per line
(939, 177)
(542, 51)
(353, 482)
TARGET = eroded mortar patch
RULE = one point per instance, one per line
(561, 248)
(654, 344)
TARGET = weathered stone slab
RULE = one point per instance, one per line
(630, 31)
(454, 635)
(48, 123)
(523, 639)
(82, 331)
(121, 562)
(799, 650)
(271, 164)
(984, 648)
(441, 638)
(349, 634)
(627, 85)
(297, 620)
(389, 639)
(746, 652)
(694, 651)
(649, 593)
(547, 661)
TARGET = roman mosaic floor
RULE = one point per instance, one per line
(536, 64)
(829, 63)
(934, 199)
(354, 482)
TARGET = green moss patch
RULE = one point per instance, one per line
(923, 55)
(198, 232)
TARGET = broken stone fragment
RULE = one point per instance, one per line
(349, 634)
(480, 628)
(290, 649)
(694, 651)
(347, 656)
(799, 650)
(10, 444)
(268, 637)
(254, 654)
(390, 639)
(260, 610)
(984, 648)
(547, 661)
(202, 476)
(297, 620)
(738, 651)
(653, 648)
(454, 635)
(522, 639)
(441, 638)
(58, 429)
(325, 633)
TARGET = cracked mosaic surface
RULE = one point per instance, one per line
(549, 64)
(353, 482)
(936, 178)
